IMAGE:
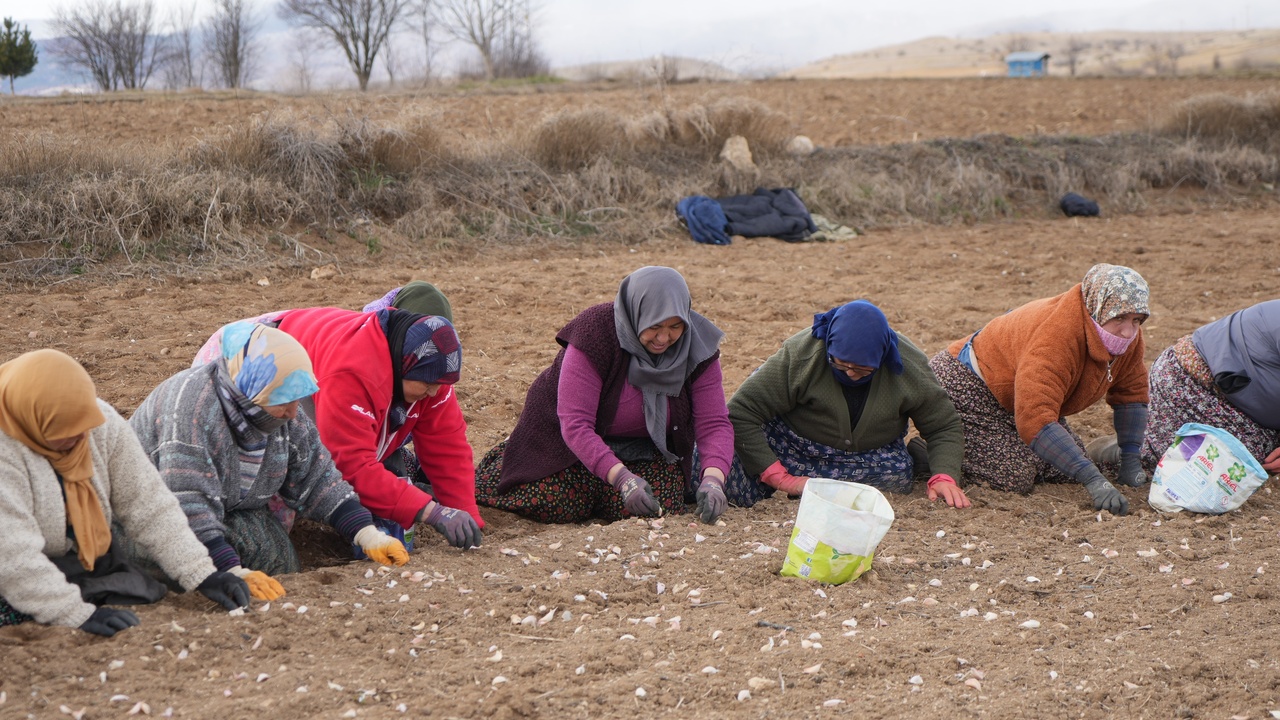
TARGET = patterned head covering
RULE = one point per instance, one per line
(646, 297)
(1114, 290)
(45, 395)
(858, 333)
(423, 348)
(259, 366)
(266, 365)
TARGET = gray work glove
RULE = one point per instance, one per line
(1131, 472)
(637, 496)
(711, 500)
(457, 526)
(107, 621)
(1105, 495)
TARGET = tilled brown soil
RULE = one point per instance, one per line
(831, 112)
(653, 618)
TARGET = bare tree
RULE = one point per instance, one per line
(1175, 51)
(518, 54)
(1075, 47)
(1018, 43)
(302, 49)
(390, 62)
(501, 31)
(424, 23)
(113, 43)
(180, 67)
(230, 40)
(480, 23)
(360, 27)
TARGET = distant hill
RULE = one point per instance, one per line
(1096, 53)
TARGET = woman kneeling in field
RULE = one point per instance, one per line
(71, 467)
(1225, 374)
(386, 378)
(1014, 382)
(227, 438)
(834, 402)
(608, 430)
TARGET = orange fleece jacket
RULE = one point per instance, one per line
(1044, 361)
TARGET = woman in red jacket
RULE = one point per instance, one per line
(387, 378)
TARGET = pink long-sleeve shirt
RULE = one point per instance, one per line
(578, 396)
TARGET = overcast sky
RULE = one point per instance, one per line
(773, 34)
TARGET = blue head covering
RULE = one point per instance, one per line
(858, 333)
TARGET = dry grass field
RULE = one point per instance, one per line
(671, 626)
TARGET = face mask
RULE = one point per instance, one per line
(1115, 344)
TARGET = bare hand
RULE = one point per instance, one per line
(951, 493)
(1272, 463)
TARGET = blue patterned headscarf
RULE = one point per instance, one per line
(266, 365)
(858, 333)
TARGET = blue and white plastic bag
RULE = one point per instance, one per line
(1205, 470)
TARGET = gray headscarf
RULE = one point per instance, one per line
(646, 297)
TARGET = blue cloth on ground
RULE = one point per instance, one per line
(705, 219)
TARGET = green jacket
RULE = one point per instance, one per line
(797, 385)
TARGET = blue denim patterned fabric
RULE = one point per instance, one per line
(887, 468)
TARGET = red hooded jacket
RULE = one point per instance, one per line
(352, 363)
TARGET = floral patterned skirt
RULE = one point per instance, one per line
(575, 493)
(888, 468)
(1182, 391)
(9, 616)
(994, 453)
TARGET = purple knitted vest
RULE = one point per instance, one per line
(536, 448)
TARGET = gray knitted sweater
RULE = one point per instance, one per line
(33, 522)
(184, 430)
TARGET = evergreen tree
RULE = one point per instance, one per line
(17, 52)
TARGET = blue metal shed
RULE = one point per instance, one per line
(1027, 64)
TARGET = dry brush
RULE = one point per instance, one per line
(256, 189)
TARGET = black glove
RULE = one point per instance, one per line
(107, 621)
(711, 500)
(637, 496)
(225, 589)
(457, 526)
(1131, 472)
(1105, 495)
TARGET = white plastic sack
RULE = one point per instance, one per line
(1205, 470)
(838, 526)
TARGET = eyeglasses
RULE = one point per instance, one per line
(847, 367)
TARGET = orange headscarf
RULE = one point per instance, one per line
(45, 395)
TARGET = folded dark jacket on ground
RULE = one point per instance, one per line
(768, 213)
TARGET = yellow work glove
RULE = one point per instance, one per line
(381, 547)
(261, 585)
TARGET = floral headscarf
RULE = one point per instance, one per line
(260, 366)
(1113, 290)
